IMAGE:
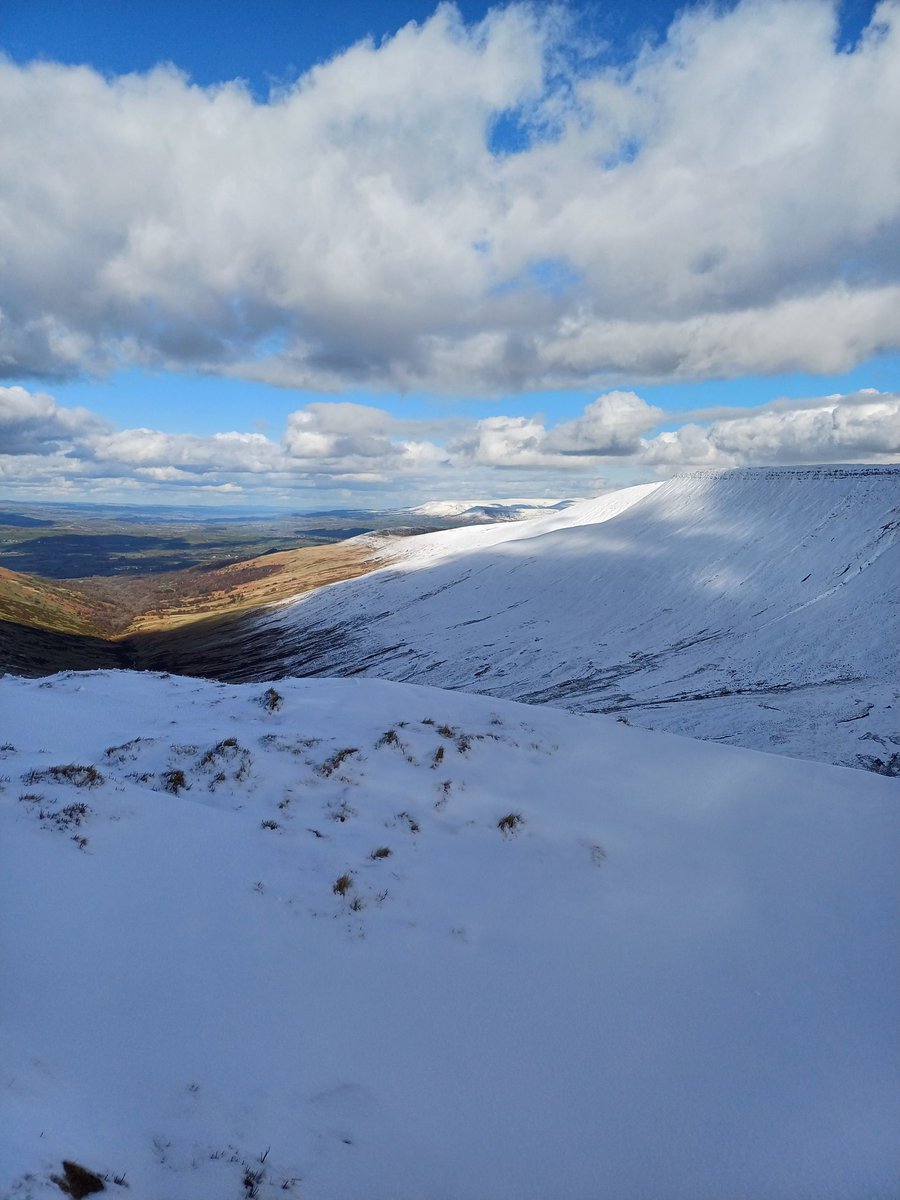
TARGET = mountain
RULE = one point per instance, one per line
(478, 511)
(348, 938)
(758, 607)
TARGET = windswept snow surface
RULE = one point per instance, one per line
(447, 544)
(675, 978)
(508, 510)
(759, 607)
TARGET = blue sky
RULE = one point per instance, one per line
(204, 404)
(483, 232)
(274, 40)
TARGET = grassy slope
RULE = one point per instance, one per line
(45, 604)
(116, 607)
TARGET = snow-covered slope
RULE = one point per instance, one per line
(447, 544)
(754, 606)
(508, 510)
(370, 940)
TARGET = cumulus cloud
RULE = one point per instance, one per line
(327, 447)
(727, 202)
(610, 426)
(354, 440)
(862, 427)
(33, 423)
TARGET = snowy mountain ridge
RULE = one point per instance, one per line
(510, 508)
(754, 606)
(812, 471)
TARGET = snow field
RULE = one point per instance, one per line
(675, 978)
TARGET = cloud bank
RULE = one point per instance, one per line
(726, 203)
(330, 452)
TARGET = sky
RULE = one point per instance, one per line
(380, 253)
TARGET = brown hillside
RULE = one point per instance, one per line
(114, 607)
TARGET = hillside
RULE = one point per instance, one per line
(117, 607)
(754, 606)
(103, 585)
(364, 939)
(37, 603)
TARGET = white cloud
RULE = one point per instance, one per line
(329, 447)
(33, 423)
(727, 203)
(862, 427)
(610, 427)
(354, 440)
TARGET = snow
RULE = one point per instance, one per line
(430, 548)
(758, 607)
(510, 508)
(675, 979)
(348, 937)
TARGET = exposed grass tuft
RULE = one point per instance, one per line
(336, 760)
(510, 823)
(342, 884)
(76, 774)
(174, 781)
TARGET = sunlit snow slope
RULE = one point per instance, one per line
(759, 607)
(369, 940)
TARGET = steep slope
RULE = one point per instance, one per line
(755, 606)
(38, 603)
(361, 939)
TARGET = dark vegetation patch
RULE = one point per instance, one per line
(510, 823)
(76, 555)
(77, 1181)
(19, 521)
(72, 773)
(881, 766)
(330, 765)
(342, 884)
(218, 751)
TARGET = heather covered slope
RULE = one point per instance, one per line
(674, 977)
(758, 607)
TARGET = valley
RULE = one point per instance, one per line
(295, 868)
(756, 607)
(84, 571)
(450, 600)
